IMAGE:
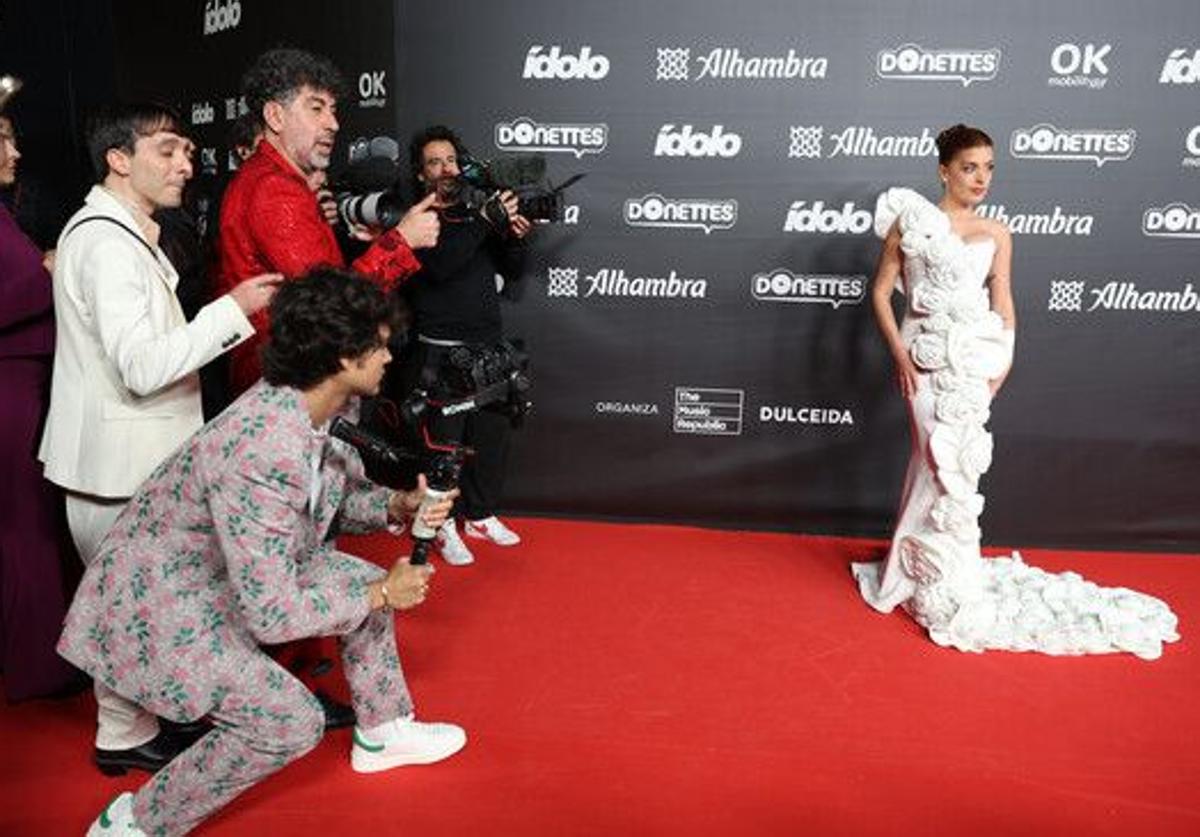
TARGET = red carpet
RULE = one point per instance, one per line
(630, 680)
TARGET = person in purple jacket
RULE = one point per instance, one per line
(32, 525)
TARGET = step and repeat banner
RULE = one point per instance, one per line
(699, 321)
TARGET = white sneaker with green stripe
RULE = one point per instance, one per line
(116, 820)
(404, 741)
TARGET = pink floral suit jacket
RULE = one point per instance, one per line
(219, 552)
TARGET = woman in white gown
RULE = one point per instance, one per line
(952, 354)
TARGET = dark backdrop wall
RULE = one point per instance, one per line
(63, 52)
(701, 333)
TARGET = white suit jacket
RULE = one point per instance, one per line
(125, 391)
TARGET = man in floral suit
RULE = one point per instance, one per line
(228, 545)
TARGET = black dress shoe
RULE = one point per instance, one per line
(337, 715)
(151, 756)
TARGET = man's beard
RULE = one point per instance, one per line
(318, 160)
(447, 189)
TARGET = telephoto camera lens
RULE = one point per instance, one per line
(375, 209)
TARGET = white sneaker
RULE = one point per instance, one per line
(453, 550)
(491, 529)
(404, 741)
(116, 820)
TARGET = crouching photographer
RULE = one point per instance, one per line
(455, 303)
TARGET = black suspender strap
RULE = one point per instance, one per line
(136, 237)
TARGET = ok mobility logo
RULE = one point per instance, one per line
(915, 63)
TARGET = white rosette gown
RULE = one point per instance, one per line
(934, 567)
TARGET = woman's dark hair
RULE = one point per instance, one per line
(278, 74)
(318, 320)
(416, 150)
(958, 138)
(119, 126)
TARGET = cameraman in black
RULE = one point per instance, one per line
(455, 301)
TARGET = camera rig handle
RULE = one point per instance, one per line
(443, 464)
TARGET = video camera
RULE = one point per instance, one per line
(469, 378)
(480, 182)
(473, 377)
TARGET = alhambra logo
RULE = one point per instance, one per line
(1074, 296)
(724, 63)
(615, 282)
(1056, 222)
(813, 142)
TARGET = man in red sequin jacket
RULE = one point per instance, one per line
(270, 218)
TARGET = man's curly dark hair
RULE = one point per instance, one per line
(278, 74)
(318, 320)
(416, 150)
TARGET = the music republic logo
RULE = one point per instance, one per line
(915, 63)
(708, 411)
(1175, 220)
(1046, 142)
(705, 214)
(782, 285)
(524, 134)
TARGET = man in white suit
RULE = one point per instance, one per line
(125, 391)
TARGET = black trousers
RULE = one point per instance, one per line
(485, 431)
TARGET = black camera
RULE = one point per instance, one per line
(479, 183)
(474, 377)
(367, 189)
(469, 378)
